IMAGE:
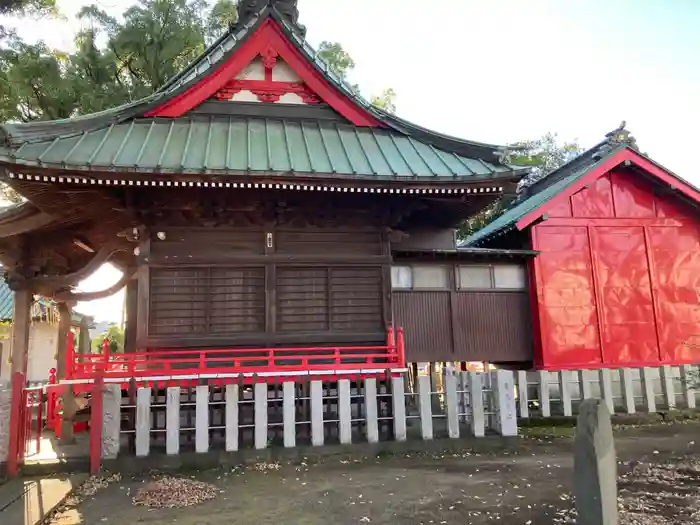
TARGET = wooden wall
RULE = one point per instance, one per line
(263, 287)
(453, 324)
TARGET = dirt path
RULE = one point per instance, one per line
(529, 485)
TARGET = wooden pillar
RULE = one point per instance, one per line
(64, 311)
(83, 337)
(132, 293)
(68, 398)
(20, 331)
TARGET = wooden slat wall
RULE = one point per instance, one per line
(356, 299)
(237, 298)
(493, 326)
(207, 301)
(333, 299)
(425, 318)
(302, 299)
(178, 301)
(242, 287)
(465, 326)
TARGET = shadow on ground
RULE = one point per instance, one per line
(528, 485)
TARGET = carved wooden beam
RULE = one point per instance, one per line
(23, 218)
(48, 284)
(68, 295)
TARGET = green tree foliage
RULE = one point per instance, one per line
(336, 57)
(116, 60)
(115, 335)
(223, 14)
(386, 100)
(543, 156)
(153, 41)
(485, 216)
(149, 44)
(24, 7)
(342, 64)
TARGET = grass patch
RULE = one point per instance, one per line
(548, 431)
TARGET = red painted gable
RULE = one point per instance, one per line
(618, 276)
(268, 42)
(625, 156)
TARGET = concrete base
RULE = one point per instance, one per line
(30, 501)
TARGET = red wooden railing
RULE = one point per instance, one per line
(26, 422)
(158, 362)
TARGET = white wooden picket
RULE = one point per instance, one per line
(471, 403)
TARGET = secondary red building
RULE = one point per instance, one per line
(617, 277)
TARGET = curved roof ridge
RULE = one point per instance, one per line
(17, 134)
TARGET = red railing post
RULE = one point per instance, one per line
(400, 348)
(70, 354)
(16, 423)
(39, 421)
(51, 399)
(105, 352)
(390, 338)
(96, 423)
(26, 419)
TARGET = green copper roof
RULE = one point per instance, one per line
(120, 139)
(7, 301)
(7, 305)
(230, 146)
(542, 192)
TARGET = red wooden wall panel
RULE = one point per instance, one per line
(562, 209)
(675, 255)
(568, 317)
(594, 201)
(632, 197)
(626, 312)
(617, 279)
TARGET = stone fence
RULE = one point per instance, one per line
(624, 390)
(313, 412)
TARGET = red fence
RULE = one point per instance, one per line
(179, 362)
(26, 421)
(27, 417)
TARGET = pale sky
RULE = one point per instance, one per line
(500, 71)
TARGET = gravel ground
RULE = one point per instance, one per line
(528, 485)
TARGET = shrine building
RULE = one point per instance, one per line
(273, 226)
(257, 201)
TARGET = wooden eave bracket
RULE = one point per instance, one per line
(68, 295)
(47, 285)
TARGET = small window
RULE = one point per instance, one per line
(401, 277)
(430, 277)
(499, 276)
(510, 277)
(420, 277)
(475, 277)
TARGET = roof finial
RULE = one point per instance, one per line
(248, 9)
(621, 136)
